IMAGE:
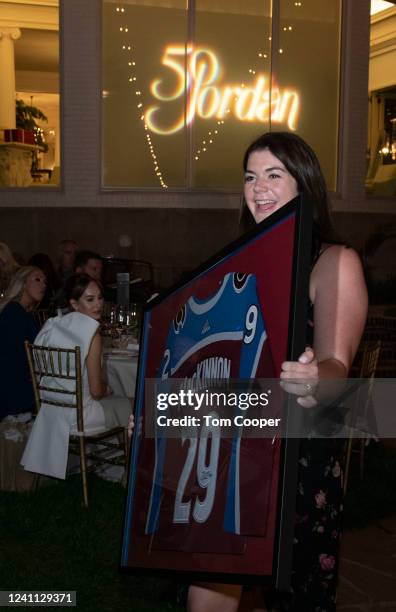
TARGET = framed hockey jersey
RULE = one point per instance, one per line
(209, 497)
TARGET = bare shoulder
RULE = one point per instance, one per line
(339, 265)
(338, 257)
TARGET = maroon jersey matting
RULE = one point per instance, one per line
(221, 509)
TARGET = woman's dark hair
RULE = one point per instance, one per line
(77, 284)
(300, 160)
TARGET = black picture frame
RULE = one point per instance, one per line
(290, 230)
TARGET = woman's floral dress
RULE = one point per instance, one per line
(317, 530)
(318, 525)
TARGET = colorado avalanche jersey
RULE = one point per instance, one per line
(219, 484)
(228, 327)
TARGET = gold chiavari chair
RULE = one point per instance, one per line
(380, 328)
(48, 364)
(40, 315)
(369, 362)
(387, 364)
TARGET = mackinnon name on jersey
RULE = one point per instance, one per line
(211, 368)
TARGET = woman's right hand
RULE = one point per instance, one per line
(301, 378)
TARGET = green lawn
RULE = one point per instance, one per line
(48, 540)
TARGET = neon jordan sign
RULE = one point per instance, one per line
(208, 99)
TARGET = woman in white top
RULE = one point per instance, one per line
(47, 448)
(84, 295)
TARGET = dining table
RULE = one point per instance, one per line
(120, 369)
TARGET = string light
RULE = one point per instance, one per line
(209, 139)
(38, 135)
(203, 146)
(133, 80)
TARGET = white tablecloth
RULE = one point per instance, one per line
(121, 370)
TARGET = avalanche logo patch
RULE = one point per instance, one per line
(180, 319)
(239, 280)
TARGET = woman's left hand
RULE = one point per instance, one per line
(131, 425)
(301, 378)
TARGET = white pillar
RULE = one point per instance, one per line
(7, 72)
(57, 142)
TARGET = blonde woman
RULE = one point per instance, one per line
(25, 292)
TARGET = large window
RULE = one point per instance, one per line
(29, 101)
(185, 89)
(381, 151)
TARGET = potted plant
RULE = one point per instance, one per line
(27, 130)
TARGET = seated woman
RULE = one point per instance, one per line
(47, 448)
(42, 261)
(24, 293)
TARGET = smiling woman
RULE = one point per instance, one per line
(278, 166)
(268, 184)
